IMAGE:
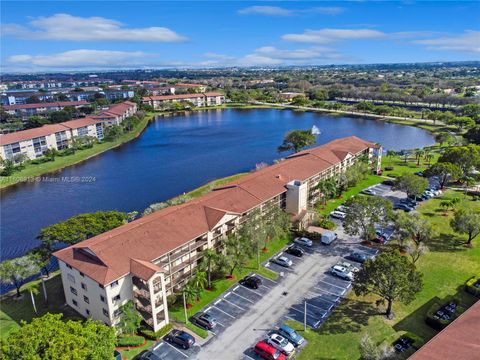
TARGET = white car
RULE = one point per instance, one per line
(303, 241)
(282, 261)
(342, 208)
(342, 272)
(369, 191)
(280, 343)
(348, 266)
(338, 214)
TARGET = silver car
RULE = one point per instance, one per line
(282, 261)
(303, 241)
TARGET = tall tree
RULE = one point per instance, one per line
(130, 318)
(445, 171)
(32, 288)
(466, 221)
(49, 337)
(414, 227)
(466, 157)
(327, 188)
(364, 213)
(237, 252)
(277, 223)
(297, 140)
(16, 271)
(412, 184)
(253, 233)
(391, 276)
(210, 258)
(473, 135)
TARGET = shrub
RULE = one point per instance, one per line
(38, 161)
(389, 168)
(171, 300)
(438, 323)
(472, 287)
(327, 224)
(156, 335)
(130, 340)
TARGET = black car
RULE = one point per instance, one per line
(205, 320)
(359, 257)
(148, 355)
(180, 338)
(388, 182)
(251, 281)
(410, 202)
(295, 250)
(403, 207)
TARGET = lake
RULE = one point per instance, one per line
(172, 156)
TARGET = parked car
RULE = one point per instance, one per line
(282, 261)
(147, 355)
(342, 272)
(291, 335)
(205, 320)
(338, 214)
(359, 257)
(348, 266)
(402, 206)
(328, 237)
(420, 173)
(180, 338)
(268, 352)
(303, 241)
(416, 198)
(369, 191)
(280, 343)
(379, 239)
(409, 202)
(342, 208)
(388, 182)
(295, 250)
(251, 281)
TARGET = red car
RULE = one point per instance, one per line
(268, 352)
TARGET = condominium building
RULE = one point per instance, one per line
(41, 108)
(34, 142)
(200, 99)
(153, 257)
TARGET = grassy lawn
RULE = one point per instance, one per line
(334, 203)
(445, 269)
(212, 184)
(33, 170)
(400, 166)
(130, 354)
(12, 311)
(222, 285)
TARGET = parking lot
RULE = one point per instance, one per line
(165, 350)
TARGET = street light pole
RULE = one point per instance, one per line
(185, 308)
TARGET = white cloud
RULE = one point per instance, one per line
(279, 11)
(468, 42)
(74, 28)
(327, 36)
(82, 58)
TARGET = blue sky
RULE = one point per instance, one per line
(81, 35)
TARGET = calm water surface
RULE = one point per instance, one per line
(172, 156)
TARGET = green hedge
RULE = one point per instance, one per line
(156, 335)
(327, 224)
(130, 340)
(470, 286)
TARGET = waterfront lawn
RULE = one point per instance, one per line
(334, 203)
(400, 166)
(12, 311)
(445, 269)
(33, 170)
(213, 184)
(221, 285)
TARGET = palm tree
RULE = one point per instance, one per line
(418, 155)
(328, 189)
(32, 287)
(467, 181)
(390, 155)
(190, 293)
(199, 281)
(428, 156)
(210, 257)
(446, 204)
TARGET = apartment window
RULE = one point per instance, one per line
(102, 298)
(81, 274)
(105, 312)
(75, 302)
(116, 298)
(71, 278)
(73, 290)
(87, 312)
(117, 313)
(68, 266)
(114, 284)
(84, 287)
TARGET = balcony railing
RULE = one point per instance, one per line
(143, 293)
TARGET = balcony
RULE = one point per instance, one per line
(139, 284)
(142, 293)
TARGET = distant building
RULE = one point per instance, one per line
(203, 99)
(41, 108)
(289, 96)
(34, 142)
(153, 257)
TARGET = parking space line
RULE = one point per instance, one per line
(219, 323)
(244, 298)
(288, 317)
(248, 356)
(318, 307)
(251, 291)
(266, 287)
(303, 312)
(263, 277)
(340, 287)
(326, 292)
(236, 287)
(158, 345)
(173, 347)
(233, 317)
(234, 304)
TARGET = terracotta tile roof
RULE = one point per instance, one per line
(188, 85)
(144, 269)
(213, 94)
(460, 340)
(180, 96)
(78, 123)
(31, 133)
(45, 105)
(154, 235)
